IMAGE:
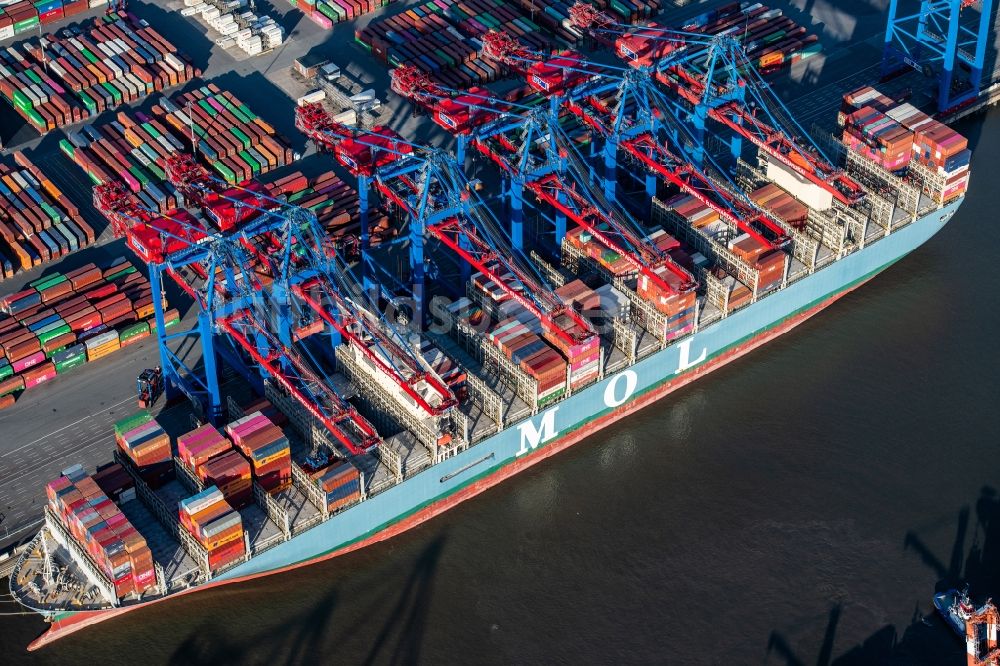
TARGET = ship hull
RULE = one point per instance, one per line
(544, 434)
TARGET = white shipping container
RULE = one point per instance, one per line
(226, 42)
(192, 3)
(311, 98)
(798, 186)
(348, 117)
(173, 61)
(211, 13)
(229, 29)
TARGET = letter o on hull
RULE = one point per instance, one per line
(620, 388)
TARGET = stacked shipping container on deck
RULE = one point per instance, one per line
(60, 81)
(216, 525)
(340, 482)
(98, 525)
(932, 144)
(147, 445)
(210, 455)
(266, 448)
(37, 221)
(61, 321)
(232, 139)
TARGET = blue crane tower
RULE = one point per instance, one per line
(933, 37)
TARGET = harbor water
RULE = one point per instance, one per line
(799, 506)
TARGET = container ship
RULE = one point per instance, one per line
(525, 330)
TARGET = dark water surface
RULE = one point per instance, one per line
(799, 506)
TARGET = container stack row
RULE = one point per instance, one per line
(326, 13)
(629, 11)
(770, 39)
(107, 153)
(97, 524)
(216, 525)
(40, 224)
(144, 441)
(932, 144)
(709, 224)
(879, 138)
(211, 456)
(238, 24)
(939, 148)
(233, 140)
(340, 482)
(59, 81)
(334, 202)
(25, 16)
(425, 37)
(266, 448)
(781, 204)
(62, 321)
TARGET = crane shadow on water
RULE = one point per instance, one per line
(926, 640)
(326, 625)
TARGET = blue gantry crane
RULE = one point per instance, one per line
(939, 37)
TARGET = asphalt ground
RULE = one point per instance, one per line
(69, 420)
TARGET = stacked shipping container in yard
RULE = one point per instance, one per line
(238, 25)
(770, 39)
(62, 321)
(326, 13)
(25, 16)
(37, 221)
(99, 526)
(334, 202)
(216, 525)
(439, 38)
(130, 151)
(232, 139)
(58, 81)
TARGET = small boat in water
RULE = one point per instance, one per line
(956, 608)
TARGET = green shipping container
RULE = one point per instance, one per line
(6, 371)
(54, 333)
(70, 363)
(225, 172)
(26, 24)
(132, 422)
(129, 332)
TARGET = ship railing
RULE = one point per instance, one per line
(275, 512)
(805, 248)
(714, 250)
(187, 477)
(309, 488)
(167, 518)
(383, 405)
(488, 400)
(81, 557)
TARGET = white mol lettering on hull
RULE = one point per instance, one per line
(532, 436)
(617, 392)
(685, 362)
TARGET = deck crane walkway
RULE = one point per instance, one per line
(724, 87)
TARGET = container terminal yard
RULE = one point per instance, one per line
(619, 160)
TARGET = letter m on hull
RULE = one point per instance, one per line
(532, 435)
